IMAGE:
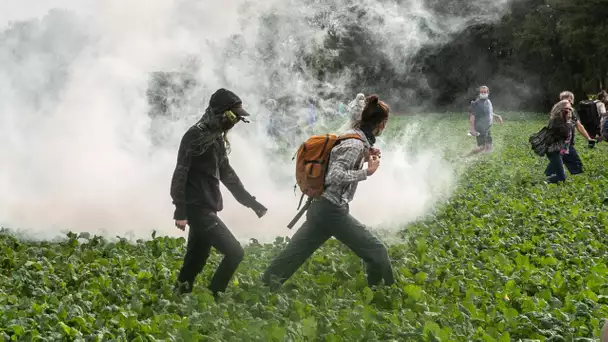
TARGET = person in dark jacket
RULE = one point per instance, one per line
(561, 131)
(329, 215)
(202, 163)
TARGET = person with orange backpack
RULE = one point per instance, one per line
(328, 169)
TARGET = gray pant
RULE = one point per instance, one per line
(324, 220)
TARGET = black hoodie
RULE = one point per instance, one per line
(202, 162)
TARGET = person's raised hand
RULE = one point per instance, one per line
(372, 164)
(375, 152)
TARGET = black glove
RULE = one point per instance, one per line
(258, 208)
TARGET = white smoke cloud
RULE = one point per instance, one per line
(75, 140)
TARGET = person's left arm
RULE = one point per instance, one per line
(232, 182)
(496, 116)
(581, 129)
(342, 168)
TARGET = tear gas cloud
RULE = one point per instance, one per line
(79, 151)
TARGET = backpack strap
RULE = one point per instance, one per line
(300, 204)
(350, 136)
(300, 213)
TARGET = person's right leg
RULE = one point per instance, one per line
(222, 239)
(197, 250)
(557, 167)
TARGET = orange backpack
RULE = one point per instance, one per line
(312, 159)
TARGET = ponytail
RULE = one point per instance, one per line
(374, 113)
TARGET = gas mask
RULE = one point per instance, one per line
(229, 119)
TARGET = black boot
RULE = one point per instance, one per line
(182, 288)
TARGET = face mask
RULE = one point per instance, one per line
(483, 95)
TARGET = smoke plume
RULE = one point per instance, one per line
(79, 150)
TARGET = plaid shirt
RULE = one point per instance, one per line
(345, 169)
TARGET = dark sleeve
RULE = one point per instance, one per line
(232, 182)
(180, 175)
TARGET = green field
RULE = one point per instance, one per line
(508, 258)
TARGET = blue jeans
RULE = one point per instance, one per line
(571, 161)
(555, 170)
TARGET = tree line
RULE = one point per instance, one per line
(537, 49)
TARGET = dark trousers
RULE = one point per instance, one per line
(324, 220)
(555, 170)
(206, 231)
(573, 162)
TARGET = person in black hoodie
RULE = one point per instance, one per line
(202, 162)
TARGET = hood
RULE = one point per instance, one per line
(223, 99)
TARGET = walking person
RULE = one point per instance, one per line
(571, 160)
(328, 215)
(481, 117)
(202, 163)
(561, 133)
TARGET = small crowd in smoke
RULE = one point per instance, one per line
(285, 120)
(288, 119)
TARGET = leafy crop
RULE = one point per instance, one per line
(508, 258)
